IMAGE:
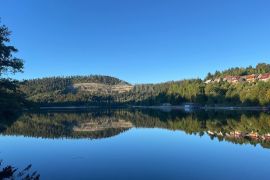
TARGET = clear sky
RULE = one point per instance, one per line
(137, 40)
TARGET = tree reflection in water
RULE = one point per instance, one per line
(233, 126)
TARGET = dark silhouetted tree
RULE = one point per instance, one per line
(10, 99)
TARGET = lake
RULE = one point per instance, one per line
(138, 144)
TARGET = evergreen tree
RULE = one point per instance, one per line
(10, 98)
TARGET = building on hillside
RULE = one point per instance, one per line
(232, 79)
(217, 80)
(264, 77)
(248, 78)
(251, 78)
(228, 79)
(208, 81)
(236, 79)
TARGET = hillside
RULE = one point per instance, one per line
(236, 86)
(70, 83)
(60, 89)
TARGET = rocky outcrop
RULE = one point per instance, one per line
(102, 88)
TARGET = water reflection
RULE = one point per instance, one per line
(233, 126)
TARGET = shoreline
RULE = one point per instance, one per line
(178, 107)
(232, 108)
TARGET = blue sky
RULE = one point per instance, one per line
(139, 41)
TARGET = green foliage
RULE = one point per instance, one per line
(8, 63)
(189, 90)
(10, 99)
(59, 91)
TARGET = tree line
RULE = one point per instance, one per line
(56, 91)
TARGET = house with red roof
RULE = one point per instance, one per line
(232, 79)
(228, 79)
(251, 78)
(264, 77)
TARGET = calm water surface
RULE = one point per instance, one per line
(139, 144)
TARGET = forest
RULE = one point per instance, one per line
(57, 91)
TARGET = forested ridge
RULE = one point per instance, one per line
(63, 84)
(61, 90)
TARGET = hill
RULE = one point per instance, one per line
(107, 91)
(73, 88)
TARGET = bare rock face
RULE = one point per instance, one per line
(102, 88)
